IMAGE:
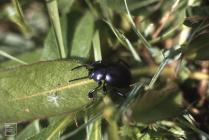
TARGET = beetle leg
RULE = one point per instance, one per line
(121, 94)
(78, 67)
(104, 88)
(79, 78)
(91, 93)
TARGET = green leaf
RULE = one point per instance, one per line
(198, 48)
(196, 15)
(53, 12)
(133, 4)
(81, 43)
(42, 89)
(95, 130)
(30, 130)
(65, 5)
(51, 51)
(97, 47)
(202, 11)
(157, 105)
(53, 131)
(195, 21)
(113, 132)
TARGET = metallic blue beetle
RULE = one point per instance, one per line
(116, 75)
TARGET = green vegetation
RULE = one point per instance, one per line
(165, 43)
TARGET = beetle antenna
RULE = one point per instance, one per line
(78, 67)
(78, 79)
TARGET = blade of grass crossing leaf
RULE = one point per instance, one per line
(32, 129)
(12, 57)
(55, 21)
(145, 42)
(95, 130)
(93, 119)
(55, 128)
(97, 47)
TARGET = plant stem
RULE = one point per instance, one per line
(145, 42)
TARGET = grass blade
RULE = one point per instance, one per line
(145, 42)
(12, 57)
(55, 128)
(55, 21)
(124, 41)
(97, 47)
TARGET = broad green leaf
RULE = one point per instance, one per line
(53, 131)
(198, 49)
(157, 105)
(42, 89)
(81, 42)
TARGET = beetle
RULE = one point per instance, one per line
(116, 75)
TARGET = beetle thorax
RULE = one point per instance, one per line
(97, 74)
